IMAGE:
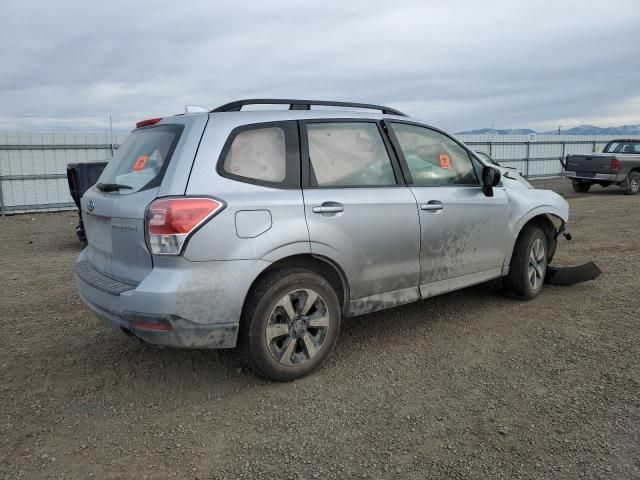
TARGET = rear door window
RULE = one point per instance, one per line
(345, 154)
(141, 160)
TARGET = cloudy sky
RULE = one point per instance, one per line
(456, 64)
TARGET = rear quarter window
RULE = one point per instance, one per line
(265, 154)
(142, 159)
(258, 154)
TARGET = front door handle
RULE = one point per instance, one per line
(328, 207)
(432, 206)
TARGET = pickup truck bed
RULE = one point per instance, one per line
(618, 165)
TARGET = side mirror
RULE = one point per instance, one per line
(490, 178)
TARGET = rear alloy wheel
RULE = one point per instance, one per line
(528, 265)
(290, 324)
(634, 184)
(298, 327)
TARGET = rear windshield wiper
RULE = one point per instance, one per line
(112, 187)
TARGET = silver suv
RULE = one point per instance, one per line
(262, 229)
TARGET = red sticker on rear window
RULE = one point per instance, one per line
(140, 163)
(444, 161)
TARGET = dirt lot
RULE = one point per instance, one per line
(466, 385)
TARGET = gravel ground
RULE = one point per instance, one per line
(466, 385)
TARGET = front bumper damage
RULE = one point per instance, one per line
(570, 275)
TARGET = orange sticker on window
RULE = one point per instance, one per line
(444, 161)
(140, 163)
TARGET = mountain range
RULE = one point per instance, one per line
(579, 130)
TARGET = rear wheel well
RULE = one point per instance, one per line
(331, 272)
(548, 227)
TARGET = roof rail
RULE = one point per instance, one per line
(295, 104)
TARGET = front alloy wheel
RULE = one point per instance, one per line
(537, 264)
(528, 265)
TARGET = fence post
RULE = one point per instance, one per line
(1, 196)
(526, 165)
(595, 145)
(491, 148)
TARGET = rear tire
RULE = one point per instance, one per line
(634, 184)
(528, 264)
(581, 187)
(289, 325)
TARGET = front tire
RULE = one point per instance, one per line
(528, 264)
(634, 184)
(290, 324)
(581, 187)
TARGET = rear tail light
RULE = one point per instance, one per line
(146, 123)
(170, 221)
(615, 164)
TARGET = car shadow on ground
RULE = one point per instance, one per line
(131, 361)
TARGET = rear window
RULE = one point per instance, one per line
(141, 160)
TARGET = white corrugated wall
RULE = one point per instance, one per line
(25, 155)
(543, 153)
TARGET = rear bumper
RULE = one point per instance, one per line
(198, 304)
(595, 177)
(182, 333)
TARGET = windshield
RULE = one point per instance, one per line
(622, 147)
(141, 160)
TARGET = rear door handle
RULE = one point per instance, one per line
(328, 207)
(432, 206)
